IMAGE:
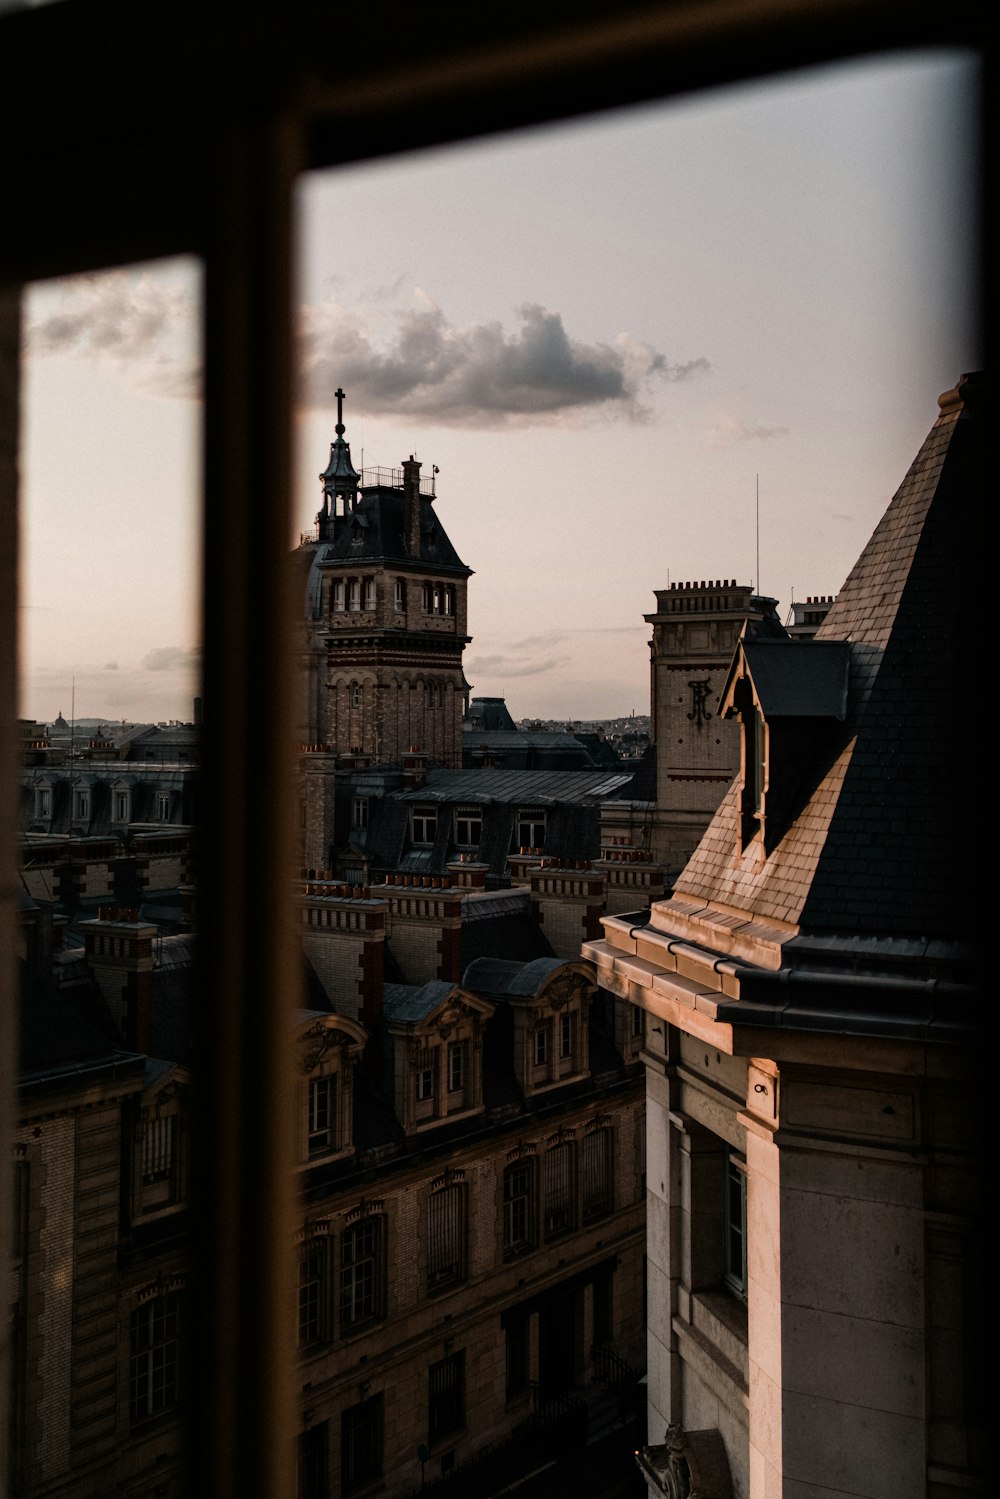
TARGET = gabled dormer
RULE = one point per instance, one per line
(789, 697)
(435, 1033)
(328, 1049)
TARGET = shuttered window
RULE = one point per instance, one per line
(446, 1236)
(597, 1174)
(560, 1190)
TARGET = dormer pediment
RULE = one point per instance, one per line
(433, 1009)
(790, 679)
(789, 696)
(321, 1036)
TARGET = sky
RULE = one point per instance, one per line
(650, 346)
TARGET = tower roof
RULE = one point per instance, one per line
(887, 814)
(340, 474)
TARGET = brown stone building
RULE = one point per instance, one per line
(386, 617)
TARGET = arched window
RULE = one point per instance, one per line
(369, 594)
(338, 596)
(354, 595)
(400, 596)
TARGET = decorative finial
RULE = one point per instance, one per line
(340, 412)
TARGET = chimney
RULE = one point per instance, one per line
(412, 502)
(119, 951)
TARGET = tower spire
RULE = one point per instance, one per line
(340, 479)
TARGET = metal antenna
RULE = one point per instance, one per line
(757, 478)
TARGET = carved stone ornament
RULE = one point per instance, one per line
(316, 1043)
(562, 990)
(688, 1465)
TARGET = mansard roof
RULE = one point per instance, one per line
(376, 532)
(886, 827)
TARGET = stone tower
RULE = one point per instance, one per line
(695, 630)
(386, 617)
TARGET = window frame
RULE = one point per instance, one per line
(425, 818)
(158, 1362)
(519, 1195)
(446, 1403)
(368, 1413)
(358, 1309)
(447, 1236)
(734, 1275)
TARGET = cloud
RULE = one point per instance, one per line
(114, 317)
(733, 429)
(111, 666)
(170, 658)
(419, 366)
(514, 666)
(478, 374)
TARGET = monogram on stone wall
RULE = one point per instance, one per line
(699, 698)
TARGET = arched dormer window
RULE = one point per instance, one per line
(328, 1049)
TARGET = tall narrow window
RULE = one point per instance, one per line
(362, 1273)
(354, 595)
(597, 1174)
(322, 1115)
(446, 1397)
(736, 1227)
(560, 1190)
(399, 596)
(361, 1444)
(446, 1236)
(517, 1357)
(339, 596)
(157, 1149)
(314, 1271)
(163, 806)
(154, 1357)
(313, 1464)
(519, 1207)
(456, 1066)
(540, 1045)
(566, 1027)
(369, 593)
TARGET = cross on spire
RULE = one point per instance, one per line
(340, 411)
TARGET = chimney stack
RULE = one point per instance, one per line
(411, 489)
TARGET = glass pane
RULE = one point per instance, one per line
(110, 708)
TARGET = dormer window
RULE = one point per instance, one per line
(456, 1066)
(328, 1048)
(43, 801)
(541, 1045)
(122, 800)
(322, 1131)
(530, 828)
(468, 827)
(81, 804)
(423, 825)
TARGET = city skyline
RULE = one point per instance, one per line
(558, 321)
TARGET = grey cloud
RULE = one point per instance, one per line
(735, 429)
(114, 317)
(478, 375)
(170, 658)
(514, 666)
(111, 666)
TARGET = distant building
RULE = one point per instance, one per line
(695, 629)
(806, 615)
(385, 624)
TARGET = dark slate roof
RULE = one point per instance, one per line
(499, 976)
(528, 749)
(523, 788)
(407, 1004)
(55, 1037)
(376, 531)
(797, 679)
(504, 931)
(889, 827)
(489, 713)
